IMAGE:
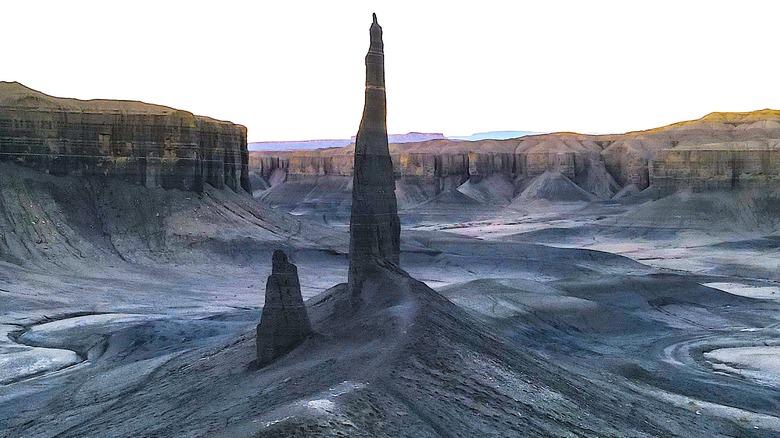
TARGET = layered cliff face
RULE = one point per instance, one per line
(743, 153)
(683, 155)
(145, 144)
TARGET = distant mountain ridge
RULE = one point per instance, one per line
(297, 145)
(493, 135)
(410, 137)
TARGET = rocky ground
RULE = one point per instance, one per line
(130, 312)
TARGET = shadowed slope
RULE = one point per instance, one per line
(71, 221)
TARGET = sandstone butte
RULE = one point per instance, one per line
(720, 150)
(150, 145)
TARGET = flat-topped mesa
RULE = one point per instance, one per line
(144, 144)
(374, 228)
(285, 323)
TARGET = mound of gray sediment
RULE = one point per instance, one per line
(716, 211)
(627, 191)
(553, 186)
(495, 189)
(596, 180)
(332, 195)
(411, 192)
(450, 197)
(323, 193)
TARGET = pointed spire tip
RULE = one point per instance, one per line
(374, 14)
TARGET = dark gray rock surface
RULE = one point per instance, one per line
(375, 231)
(285, 323)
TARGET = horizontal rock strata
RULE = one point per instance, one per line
(149, 145)
(743, 165)
(683, 155)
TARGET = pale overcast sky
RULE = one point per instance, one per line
(294, 69)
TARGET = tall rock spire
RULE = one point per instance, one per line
(374, 228)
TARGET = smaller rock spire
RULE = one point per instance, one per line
(284, 324)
